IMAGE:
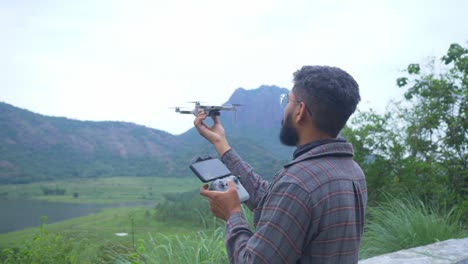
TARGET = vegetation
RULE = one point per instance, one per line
(42, 248)
(421, 143)
(101, 190)
(93, 237)
(188, 207)
(43, 148)
(203, 247)
(397, 223)
(53, 191)
(406, 222)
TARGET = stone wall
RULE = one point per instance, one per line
(448, 251)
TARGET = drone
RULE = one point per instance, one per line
(210, 110)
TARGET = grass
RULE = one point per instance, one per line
(94, 236)
(100, 228)
(397, 223)
(102, 190)
(197, 248)
(406, 222)
(202, 247)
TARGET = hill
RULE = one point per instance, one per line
(35, 147)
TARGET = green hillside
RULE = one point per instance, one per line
(35, 147)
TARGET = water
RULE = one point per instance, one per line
(20, 214)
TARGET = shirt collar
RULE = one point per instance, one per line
(313, 144)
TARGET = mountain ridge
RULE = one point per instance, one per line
(38, 147)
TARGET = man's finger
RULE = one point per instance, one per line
(215, 119)
(231, 185)
(199, 118)
(204, 190)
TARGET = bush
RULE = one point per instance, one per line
(406, 222)
(42, 248)
(201, 247)
(188, 207)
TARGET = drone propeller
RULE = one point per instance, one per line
(234, 108)
(195, 102)
(211, 110)
(233, 105)
(179, 110)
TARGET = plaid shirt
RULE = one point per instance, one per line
(311, 212)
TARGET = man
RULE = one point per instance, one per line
(313, 210)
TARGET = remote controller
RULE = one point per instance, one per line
(221, 185)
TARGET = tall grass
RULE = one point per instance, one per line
(44, 247)
(406, 222)
(204, 247)
(397, 223)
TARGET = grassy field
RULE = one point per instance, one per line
(393, 225)
(95, 235)
(102, 190)
(94, 239)
(103, 226)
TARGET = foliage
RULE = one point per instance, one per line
(190, 207)
(437, 133)
(379, 150)
(406, 222)
(102, 190)
(42, 248)
(53, 191)
(41, 148)
(186, 207)
(206, 246)
(421, 143)
(203, 247)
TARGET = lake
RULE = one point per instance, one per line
(20, 214)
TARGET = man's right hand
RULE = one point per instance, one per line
(214, 134)
(223, 203)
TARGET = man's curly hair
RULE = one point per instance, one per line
(331, 95)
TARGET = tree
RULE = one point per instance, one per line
(420, 143)
(437, 134)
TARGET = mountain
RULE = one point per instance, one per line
(258, 119)
(35, 147)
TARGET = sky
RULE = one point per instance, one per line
(116, 60)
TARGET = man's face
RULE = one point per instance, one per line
(288, 133)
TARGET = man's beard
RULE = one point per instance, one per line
(288, 134)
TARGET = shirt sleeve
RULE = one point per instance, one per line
(252, 182)
(281, 227)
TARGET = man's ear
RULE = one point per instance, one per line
(301, 113)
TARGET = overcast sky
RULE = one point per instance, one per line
(133, 60)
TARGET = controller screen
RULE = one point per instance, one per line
(210, 169)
